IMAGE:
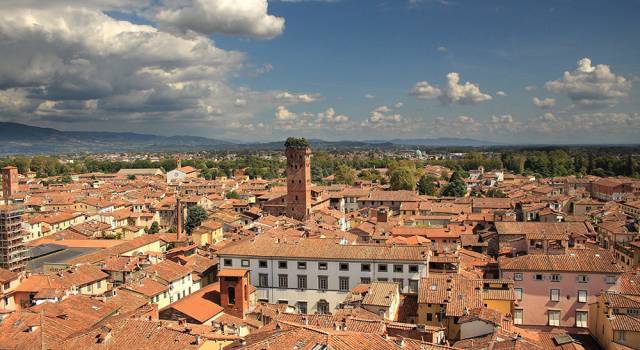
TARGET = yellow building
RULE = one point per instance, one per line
(444, 299)
(614, 320)
(210, 232)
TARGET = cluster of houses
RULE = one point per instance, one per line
(107, 261)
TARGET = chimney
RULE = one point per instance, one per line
(179, 218)
(400, 342)
(382, 215)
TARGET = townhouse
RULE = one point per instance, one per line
(315, 274)
(175, 276)
(556, 290)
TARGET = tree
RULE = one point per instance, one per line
(402, 178)
(456, 186)
(195, 216)
(154, 228)
(232, 195)
(345, 175)
(495, 193)
(629, 171)
(427, 185)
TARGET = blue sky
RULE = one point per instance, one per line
(341, 69)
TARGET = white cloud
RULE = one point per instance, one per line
(425, 91)
(504, 122)
(288, 97)
(246, 17)
(530, 88)
(442, 49)
(454, 92)
(398, 104)
(240, 102)
(589, 86)
(544, 103)
(369, 96)
(382, 117)
(283, 114)
(501, 93)
(327, 119)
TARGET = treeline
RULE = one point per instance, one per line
(211, 169)
(348, 167)
(549, 163)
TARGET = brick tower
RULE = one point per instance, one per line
(9, 181)
(234, 291)
(298, 178)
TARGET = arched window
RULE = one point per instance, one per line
(323, 307)
(231, 292)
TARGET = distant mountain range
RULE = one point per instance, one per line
(18, 138)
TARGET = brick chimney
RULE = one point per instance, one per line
(178, 218)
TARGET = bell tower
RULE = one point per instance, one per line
(298, 155)
(9, 181)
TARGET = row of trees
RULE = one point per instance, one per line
(348, 168)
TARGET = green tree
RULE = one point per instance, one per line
(154, 228)
(345, 175)
(456, 186)
(195, 216)
(402, 178)
(495, 193)
(629, 168)
(427, 185)
(232, 195)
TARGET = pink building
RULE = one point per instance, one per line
(556, 290)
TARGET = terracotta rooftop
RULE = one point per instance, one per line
(323, 249)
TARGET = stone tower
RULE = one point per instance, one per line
(9, 181)
(298, 155)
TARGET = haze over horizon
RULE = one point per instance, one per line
(543, 72)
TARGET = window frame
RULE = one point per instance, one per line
(341, 281)
(554, 312)
(551, 291)
(516, 291)
(586, 295)
(283, 277)
(302, 278)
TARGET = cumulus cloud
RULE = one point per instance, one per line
(246, 17)
(288, 97)
(369, 96)
(327, 119)
(282, 114)
(453, 93)
(66, 62)
(383, 117)
(530, 88)
(442, 49)
(501, 93)
(591, 86)
(544, 103)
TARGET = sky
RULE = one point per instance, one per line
(519, 72)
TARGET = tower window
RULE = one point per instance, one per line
(231, 292)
